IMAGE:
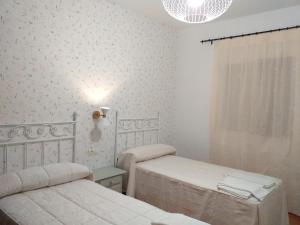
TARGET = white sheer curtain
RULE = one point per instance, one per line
(255, 107)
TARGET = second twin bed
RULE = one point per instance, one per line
(214, 194)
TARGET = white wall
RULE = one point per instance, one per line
(194, 73)
(57, 57)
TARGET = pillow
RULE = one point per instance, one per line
(33, 178)
(40, 177)
(148, 152)
(66, 172)
(10, 184)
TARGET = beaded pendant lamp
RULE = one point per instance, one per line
(196, 11)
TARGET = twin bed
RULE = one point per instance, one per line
(64, 194)
(197, 189)
(181, 185)
(59, 192)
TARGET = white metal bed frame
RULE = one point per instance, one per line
(37, 133)
(136, 126)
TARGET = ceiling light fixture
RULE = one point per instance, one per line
(196, 11)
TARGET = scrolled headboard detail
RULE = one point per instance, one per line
(23, 135)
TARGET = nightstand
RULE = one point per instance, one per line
(110, 177)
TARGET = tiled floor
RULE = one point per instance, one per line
(294, 220)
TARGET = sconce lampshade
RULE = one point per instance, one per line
(104, 110)
(104, 122)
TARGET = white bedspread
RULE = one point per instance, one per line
(186, 186)
(82, 202)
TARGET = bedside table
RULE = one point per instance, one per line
(110, 177)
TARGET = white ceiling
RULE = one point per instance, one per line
(154, 9)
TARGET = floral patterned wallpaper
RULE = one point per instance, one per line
(61, 56)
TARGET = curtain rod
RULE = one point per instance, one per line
(211, 41)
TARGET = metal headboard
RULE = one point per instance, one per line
(142, 131)
(36, 133)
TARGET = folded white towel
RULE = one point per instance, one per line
(242, 188)
(266, 181)
(177, 219)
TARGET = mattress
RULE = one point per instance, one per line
(186, 186)
(77, 203)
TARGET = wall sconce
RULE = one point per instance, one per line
(102, 115)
